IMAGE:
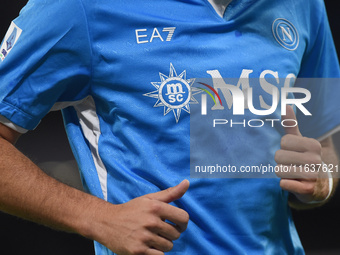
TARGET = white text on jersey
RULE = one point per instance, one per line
(143, 35)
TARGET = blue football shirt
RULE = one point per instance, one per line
(125, 74)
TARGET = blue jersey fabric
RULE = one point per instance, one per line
(104, 63)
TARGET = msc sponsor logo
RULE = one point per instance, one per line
(240, 96)
(174, 93)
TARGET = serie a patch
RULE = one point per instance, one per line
(9, 41)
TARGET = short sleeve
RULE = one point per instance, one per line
(320, 74)
(46, 60)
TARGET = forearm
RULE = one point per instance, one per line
(136, 227)
(330, 157)
(27, 192)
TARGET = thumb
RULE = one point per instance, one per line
(170, 194)
(290, 122)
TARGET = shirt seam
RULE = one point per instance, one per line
(90, 43)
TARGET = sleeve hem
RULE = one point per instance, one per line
(17, 117)
(11, 125)
(329, 133)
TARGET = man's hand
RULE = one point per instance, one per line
(296, 153)
(145, 225)
(139, 226)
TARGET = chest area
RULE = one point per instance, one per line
(161, 55)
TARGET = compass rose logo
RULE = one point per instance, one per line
(174, 93)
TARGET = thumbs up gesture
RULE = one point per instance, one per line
(140, 227)
(300, 157)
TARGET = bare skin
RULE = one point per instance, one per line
(297, 150)
(136, 227)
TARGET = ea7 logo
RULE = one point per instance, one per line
(146, 36)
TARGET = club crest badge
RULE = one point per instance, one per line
(285, 34)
